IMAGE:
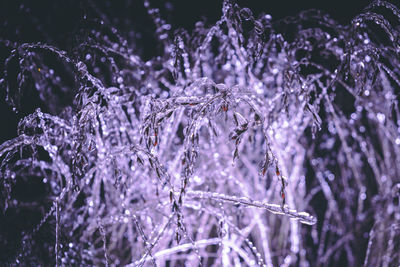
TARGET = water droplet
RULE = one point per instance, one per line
(381, 117)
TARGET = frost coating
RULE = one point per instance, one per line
(153, 162)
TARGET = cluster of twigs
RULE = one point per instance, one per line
(154, 162)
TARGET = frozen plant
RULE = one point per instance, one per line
(250, 141)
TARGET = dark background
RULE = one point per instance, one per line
(58, 23)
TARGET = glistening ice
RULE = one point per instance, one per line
(251, 141)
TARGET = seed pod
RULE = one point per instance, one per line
(264, 171)
(235, 154)
(178, 237)
(185, 183)
(151, 162)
